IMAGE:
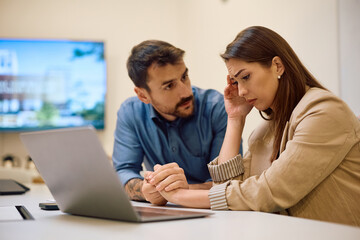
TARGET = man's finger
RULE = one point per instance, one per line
(174, 185)
(159, 167)
(171, 179)
(147, 174)
(165, 173)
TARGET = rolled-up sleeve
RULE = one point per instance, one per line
(217, 196)
(227, 170)
(221, 174)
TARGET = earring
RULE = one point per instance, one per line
(279, 77)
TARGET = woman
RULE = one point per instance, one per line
(303, 161)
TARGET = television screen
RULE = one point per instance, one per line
(48, 84)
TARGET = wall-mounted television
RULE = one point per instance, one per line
(47, 84)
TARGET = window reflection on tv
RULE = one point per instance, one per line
(47, 84)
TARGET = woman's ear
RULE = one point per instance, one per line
(142, 94)
(279, 66)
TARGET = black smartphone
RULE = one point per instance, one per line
(48, 206)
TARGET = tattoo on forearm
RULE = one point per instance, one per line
(133, 189)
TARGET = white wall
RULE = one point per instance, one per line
(201, 27)
(349, 37)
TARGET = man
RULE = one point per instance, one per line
(170, 124)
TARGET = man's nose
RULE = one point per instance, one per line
(185, 90)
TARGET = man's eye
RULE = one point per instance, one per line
(169, 86)
(184, 77)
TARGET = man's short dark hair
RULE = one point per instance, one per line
(145, 54)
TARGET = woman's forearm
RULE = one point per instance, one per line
(232, 140)
(193, 198)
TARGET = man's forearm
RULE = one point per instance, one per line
(133, 189)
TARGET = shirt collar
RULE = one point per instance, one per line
(158, 119)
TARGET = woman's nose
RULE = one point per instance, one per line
(242, 91)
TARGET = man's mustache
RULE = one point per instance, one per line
(184, 100)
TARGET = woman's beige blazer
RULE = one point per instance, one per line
(317, 174)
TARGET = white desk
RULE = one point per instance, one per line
(222, 225)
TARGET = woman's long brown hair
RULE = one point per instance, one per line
(261, 45)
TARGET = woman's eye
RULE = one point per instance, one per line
(246, 77)
(234, 83)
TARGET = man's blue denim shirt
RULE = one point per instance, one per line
(143, 135)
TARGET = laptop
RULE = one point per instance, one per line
(82, 180)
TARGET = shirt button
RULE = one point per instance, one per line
(173, 149)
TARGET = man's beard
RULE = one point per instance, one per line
(182, 101)
(175, 111)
